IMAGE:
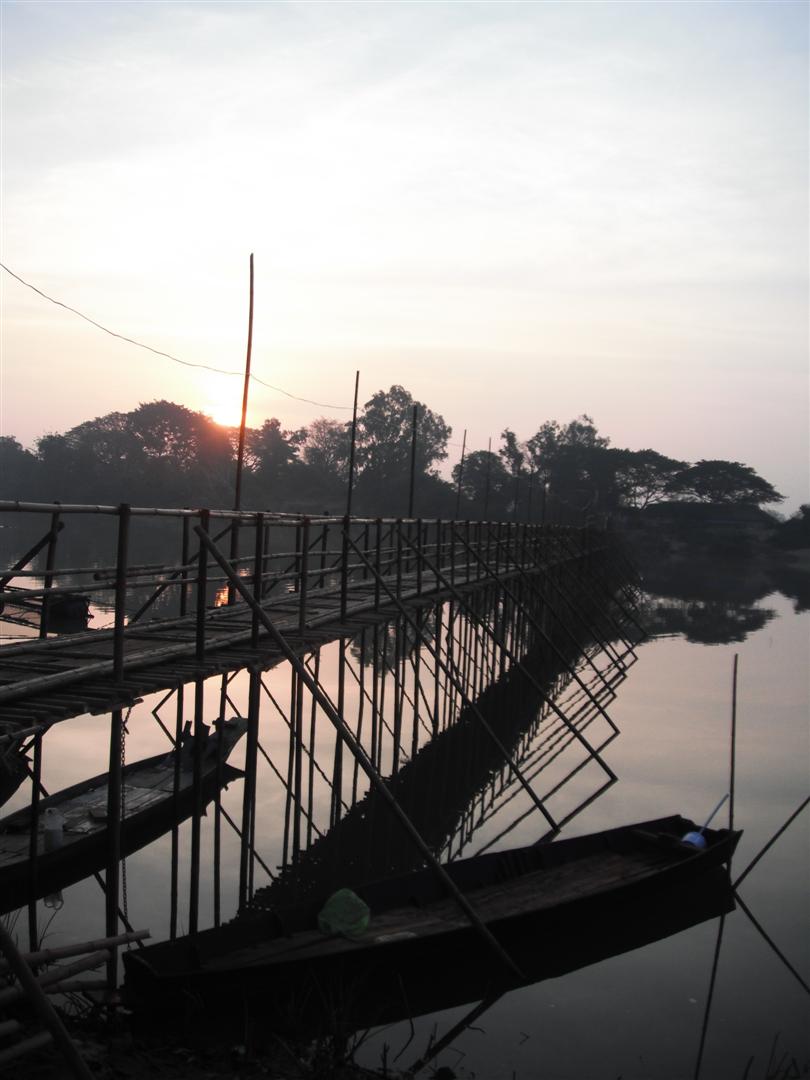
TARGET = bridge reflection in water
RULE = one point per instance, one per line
(437, 686)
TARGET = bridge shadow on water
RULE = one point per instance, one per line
(456, 783)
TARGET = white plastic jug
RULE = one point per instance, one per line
(53, 828)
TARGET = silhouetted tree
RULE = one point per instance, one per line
(384, 439)
(484, 483)
(19, 470)
(513, 454)
(326, 447)
(272, 449)
(795, 532)
(573, 464)
(644, 477)
(187, 439)
(164, 453)
(384, 435)
(100, 459)
(274, 468)
(724, 482)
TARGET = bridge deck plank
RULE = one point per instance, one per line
(46, 681)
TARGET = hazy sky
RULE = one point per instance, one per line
(519, 211)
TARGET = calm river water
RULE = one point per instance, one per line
(638, 1015)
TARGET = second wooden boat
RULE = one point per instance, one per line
(72, 823)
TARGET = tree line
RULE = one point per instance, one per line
(165, 454)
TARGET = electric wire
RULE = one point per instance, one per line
(169, 356)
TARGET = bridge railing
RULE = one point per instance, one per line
(137, 563)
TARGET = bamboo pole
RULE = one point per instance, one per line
(240, 454)
(114, 792)
(313, 713)
(42, 1006)
(249, 789)
(710, 997)
(352, 446)
(64, 952)
(175, 855)
(56, 975)
(460, 473)
(771, 842)
(487, 478)
(733, 747)
(413, 461)
(48, 582)
(197, 803)
(121, 591)
(298, 720)
(33, 844)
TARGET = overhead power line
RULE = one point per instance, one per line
(169, 356)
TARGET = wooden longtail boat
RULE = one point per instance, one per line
(72, 832)
(553, 907)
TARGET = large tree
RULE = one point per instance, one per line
(572, 462)
(485, 483)
(384, 435)
(19, 470)
(172, 433)
(160, 452)
(724, 482)
(554, 447)
(273, 449)
(644, 477)
(326, 447)
(101, 459)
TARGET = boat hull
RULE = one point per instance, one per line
(366, 980)
(77, 856)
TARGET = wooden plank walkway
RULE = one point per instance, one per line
(44, 681)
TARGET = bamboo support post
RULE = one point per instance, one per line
(47, 583)
(304, 572)
(33, 844)
(199, 734)
(121, 591)
(114, 805)
(202, 590)
(249, 789)
(175, 850)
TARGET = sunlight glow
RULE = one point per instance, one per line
(224, 413)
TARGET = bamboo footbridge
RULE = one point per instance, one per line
(469, 660)
(247, 589)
